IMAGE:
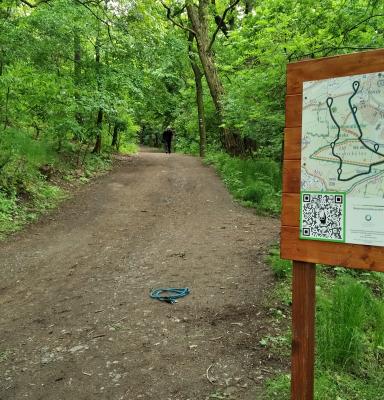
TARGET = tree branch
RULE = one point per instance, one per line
(226, 11)
(33, 5)
(328, 50)
(106, 22)
(170, 17)
(84, 4)
(361, 22)
(178, 12)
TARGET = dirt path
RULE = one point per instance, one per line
(76, 321)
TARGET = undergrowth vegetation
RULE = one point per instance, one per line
(34, 176)
(349, 333)
(255, 182)
(129, 148)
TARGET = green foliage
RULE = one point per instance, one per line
(8, 208)
(253, 181)
(130, 148)
(255, 106)
(277, 344)
(279, 387)
(344, 386)
(15, 213)
(60, 69)
(20, 158)
(350, 322)
(331, 385)
(282, 269)
(95, 164)
(342, 322)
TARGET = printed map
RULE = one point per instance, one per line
(343, 153)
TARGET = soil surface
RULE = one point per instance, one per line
(76, 318)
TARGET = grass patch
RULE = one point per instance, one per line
(349, 333)
(279, 387)
(255, 182)
(282, 269)
(343, 317)
(331, 385)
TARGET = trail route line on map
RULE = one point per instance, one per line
(343, 135)
(376, 146)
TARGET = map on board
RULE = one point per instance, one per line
(342, 160)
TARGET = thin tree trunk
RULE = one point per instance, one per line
(85, 153)
(115, 135)
(37, 130)
(248, 6)
(77, 73)
(6, 120)
(201, 114)
(199, 98)
(1, 61)
(99, 123)
(99, 126)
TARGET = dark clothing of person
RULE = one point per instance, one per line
(167, 139)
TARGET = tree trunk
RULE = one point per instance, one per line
(6, 120)
(115, 135)
(248, 6)
(201, 113)
(199, 21)
(198, 17)
(99, 123)
(77, 73)
(157, 142)
(199, 98)
(37, 130)
(2, 52)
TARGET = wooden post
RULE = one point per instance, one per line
(303, 330)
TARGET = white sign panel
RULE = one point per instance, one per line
(342, 160)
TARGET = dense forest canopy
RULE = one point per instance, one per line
(80, 76)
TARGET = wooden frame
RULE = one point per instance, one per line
(306, 253)
(292, 248)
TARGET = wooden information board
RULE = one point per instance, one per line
(292, 247)
(333, 183)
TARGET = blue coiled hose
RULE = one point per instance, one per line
(171, 298)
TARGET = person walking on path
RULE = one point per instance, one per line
(167, 139)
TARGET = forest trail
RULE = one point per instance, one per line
(76, 320)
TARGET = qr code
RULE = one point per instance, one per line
(322, 216)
